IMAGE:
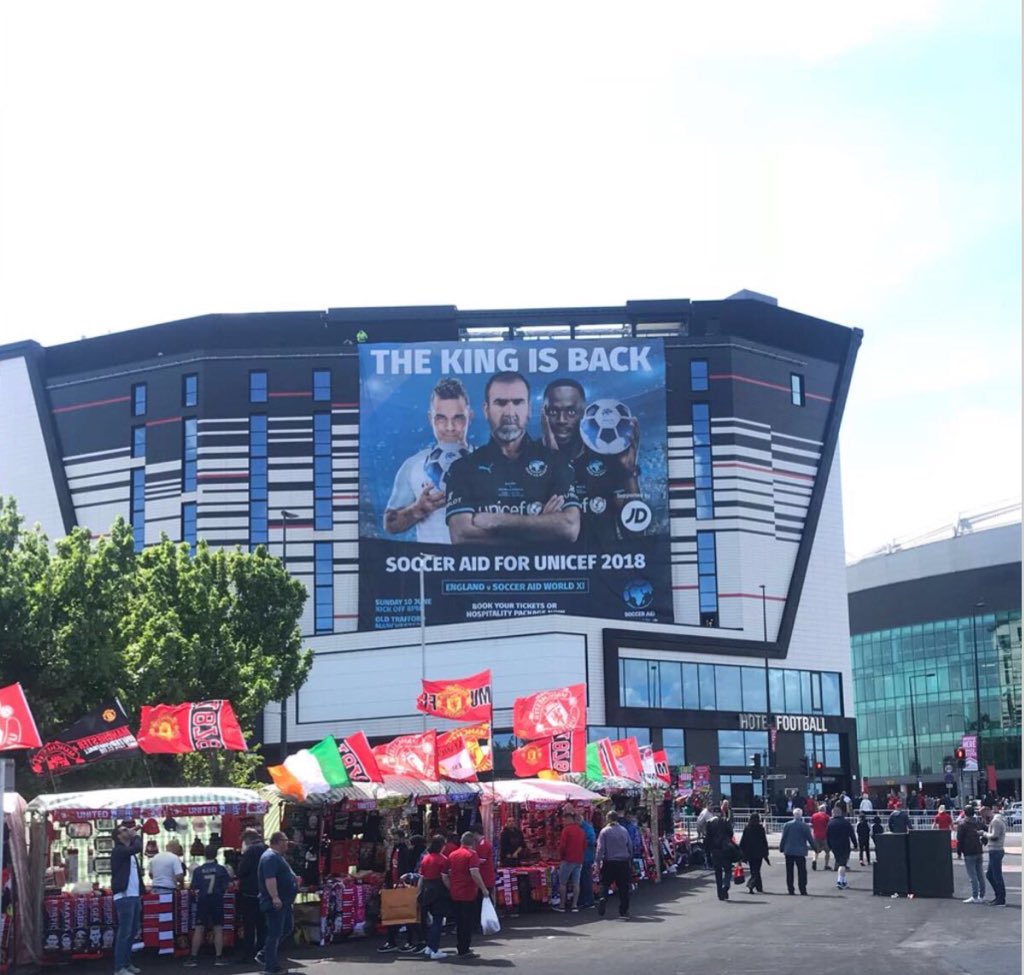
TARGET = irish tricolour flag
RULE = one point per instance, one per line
(311, 771)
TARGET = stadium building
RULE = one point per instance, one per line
(935, 633)
(669, 531)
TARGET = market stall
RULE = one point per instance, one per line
(16, 924)
(534, 807)
(75, 832)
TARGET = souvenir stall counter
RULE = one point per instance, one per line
(536, 806)
(342, 842)
(76, 832)
(16, 923)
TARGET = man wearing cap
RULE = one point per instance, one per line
(166, 869)
(126, 886)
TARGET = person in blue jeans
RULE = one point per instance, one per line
(587, 871)
(277, 886)
(126, 885)
(996, 835)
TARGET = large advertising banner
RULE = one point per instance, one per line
(521, 479)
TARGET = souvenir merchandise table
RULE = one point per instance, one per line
(537, 806)
(342, 843)
(75, 834)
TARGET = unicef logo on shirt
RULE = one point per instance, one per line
(536, 468)
(597, 468)
(598, 505)
(534, 508)
(638, 594)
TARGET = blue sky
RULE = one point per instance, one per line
(860, 162)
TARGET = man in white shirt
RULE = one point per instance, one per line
(166, 869)
(416, 500)
(865, 804)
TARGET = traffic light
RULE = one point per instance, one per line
(804, 768)
(818, 766)
(756, 760)
(961, 756)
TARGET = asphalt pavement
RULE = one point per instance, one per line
(679, 926)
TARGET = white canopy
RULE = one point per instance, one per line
(537, 790)
(145, 803)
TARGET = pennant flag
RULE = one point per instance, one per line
(311, 771)
(550, 712)
(460, 754)
(411, 755)
(627, 754)
(102, 733)
(174, 729)
(461, 699)
(647, 766)
(357, 756)
(601, 762)
(661, 768)
(564, 752)
(17, 726)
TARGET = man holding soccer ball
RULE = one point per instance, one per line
(514, 489)
(604, 482)
(418, 495)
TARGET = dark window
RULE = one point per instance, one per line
(323, 569)
(138, 506)
(702, 471)
(257, 387)
(190, 390)
(796, 388)
(636, 690)
(139, 399)
(728, 694)
(323, 486)
(322, 385)
(189, 453)
(699, 375)
(188, 523)
(258, 507)
(138, 441)
(707, 579)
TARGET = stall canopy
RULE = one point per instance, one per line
(394, 787)
(145, 803)
(537, 790)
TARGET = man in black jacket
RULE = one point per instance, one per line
(126, 886)
(718, 841)
(253, 922)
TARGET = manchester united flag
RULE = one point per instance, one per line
(627, 754)
(550, 712)
(17, 726)
(357, 757)
(661, 767)
(101, 734)
(173, 729)
(460, 699)
(460, 754)
(412, 755)
(564, 752)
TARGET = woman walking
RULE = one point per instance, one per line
(754, 844)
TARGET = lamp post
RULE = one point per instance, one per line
(913, 724)
(980, 604)
(286, 516)
(767, 697)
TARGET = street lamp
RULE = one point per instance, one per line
(286, 516)
(913, 724)
(980, 604)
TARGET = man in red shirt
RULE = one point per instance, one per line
(942, 819)
(464, 882)
(819, 832)
(572, 847)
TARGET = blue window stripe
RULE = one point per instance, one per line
(257, 387)
(323, 479)
(138, 507)
(323, 583)
(322, 385)
(138, 441)
(258, 494)
(188, 523)
(699, 375)
(190, 390)
(707, 573)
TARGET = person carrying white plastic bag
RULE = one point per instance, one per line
(489, 922)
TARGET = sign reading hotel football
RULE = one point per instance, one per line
(521, 479)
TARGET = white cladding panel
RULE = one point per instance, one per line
(25, 470)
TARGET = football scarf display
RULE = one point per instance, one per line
(102, 733)
(460, 699)
(174, 729)
(17, 726)
(561, 753)
(311, 771)
(412, 755)
(550, 712)
(358, 758)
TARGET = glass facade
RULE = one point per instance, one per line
(258, 497)
(323, 511)
(923, 677)
(723, 687)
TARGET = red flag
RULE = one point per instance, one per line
(357, 756)
(661, 767)
(460, 755)
(627, 754)
(564, 752)
(17, 726)
(412, 755)
(550, 712)
(460, 699)
(174, 729)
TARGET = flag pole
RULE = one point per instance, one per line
(423, 630)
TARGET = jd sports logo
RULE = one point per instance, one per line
(636, 516)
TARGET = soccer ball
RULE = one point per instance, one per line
(438, 462)
(607, 427)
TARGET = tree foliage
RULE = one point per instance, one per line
(91, 618)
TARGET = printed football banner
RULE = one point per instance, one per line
(102, 733)
(560, 753)
(521, 478)
(550, 712)
(174, 729)
(458, 699)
